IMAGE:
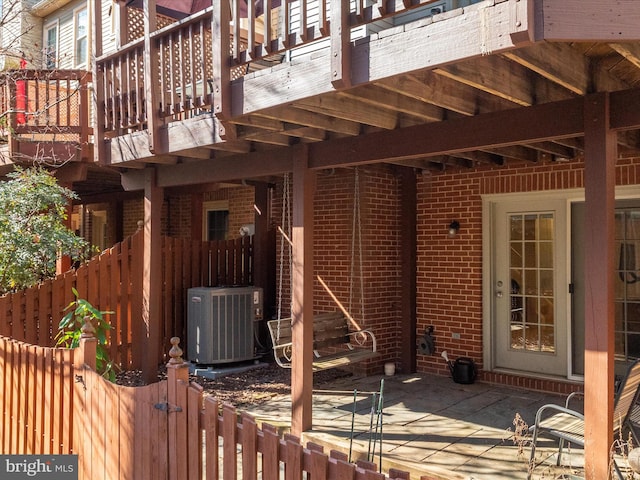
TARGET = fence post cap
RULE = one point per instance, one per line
(175, 352)
(87, 329)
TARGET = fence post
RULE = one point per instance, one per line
(88, 345)
(177, 380)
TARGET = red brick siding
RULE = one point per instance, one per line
(334, 235)
(132, 213)
(449, 280)
(241, 211)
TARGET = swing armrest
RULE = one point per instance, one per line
(360, 337)
(282, 354)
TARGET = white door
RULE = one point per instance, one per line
(530, 286)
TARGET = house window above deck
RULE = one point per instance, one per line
(81, 29)
(51, 46)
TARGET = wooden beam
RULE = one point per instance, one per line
(221, 35)
(382, 98)
(526, 124)
(98, 86)
(155, 121)
(630, 51)
(557, 62)
(152, 270)
(435, 89)
(550, 121)
(591, 20)
(408, 266)
(264, 253)
(348, 108)
(304, 182)
(600, 160)
(494, 75)
(234, 167)
(312, 119)
(340, 44)
(623, 117)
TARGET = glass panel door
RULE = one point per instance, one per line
(529, 291)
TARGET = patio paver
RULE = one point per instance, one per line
(431, 426)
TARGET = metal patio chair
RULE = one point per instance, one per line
(567, 425)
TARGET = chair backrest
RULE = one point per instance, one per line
(626, 396)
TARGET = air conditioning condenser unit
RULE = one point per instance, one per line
(220, 323)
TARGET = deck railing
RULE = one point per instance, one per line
(53, 402)
(40, 110)
(112, 281)
(192, 61)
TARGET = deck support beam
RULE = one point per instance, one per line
(97, 99)
(152, 270)
(221, 34)
(151, 66)
(600, 159)
(408, 256)
(340, 35)
(304, 183)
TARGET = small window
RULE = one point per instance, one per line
(81, 37)
(217, 224)
(51, 47)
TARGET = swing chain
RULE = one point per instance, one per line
(356, 236)
(286, 227)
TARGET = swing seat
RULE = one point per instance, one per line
(330, 332)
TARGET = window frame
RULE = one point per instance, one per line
(211, 206)
(54, 25)
(78, 62)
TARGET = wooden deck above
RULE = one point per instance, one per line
(491, 82)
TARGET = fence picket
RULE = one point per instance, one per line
(212, 445)
(194, 442)
(30, 320)
(249, 448)
(230, 435)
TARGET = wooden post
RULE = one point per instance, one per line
(340, 40)
(177, 375)
(600, 159)
(408, 254)
(98, 85)
(88, 346)
(220, 38)
(304, 182)
(263, 252)
(152, 270)
(151, 70)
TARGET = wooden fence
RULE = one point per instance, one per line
(53, 402)
(112, 281)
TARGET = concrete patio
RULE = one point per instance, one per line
(431, 427)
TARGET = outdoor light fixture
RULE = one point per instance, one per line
(454, 226)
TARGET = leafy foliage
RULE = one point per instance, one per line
(70, 331)
(32, 229)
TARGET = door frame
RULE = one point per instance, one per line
(489, 256)
(489, 253)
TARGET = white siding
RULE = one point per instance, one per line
(66, 47)
(20, 35)
(109, 28)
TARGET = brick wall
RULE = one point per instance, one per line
(449, 281)
(339, 253)
(241, 211)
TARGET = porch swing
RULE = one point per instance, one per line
(335, 331)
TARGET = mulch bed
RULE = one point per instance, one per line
(251, 387)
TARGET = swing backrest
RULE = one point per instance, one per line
(329, 329)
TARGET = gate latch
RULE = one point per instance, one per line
(165, 407)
